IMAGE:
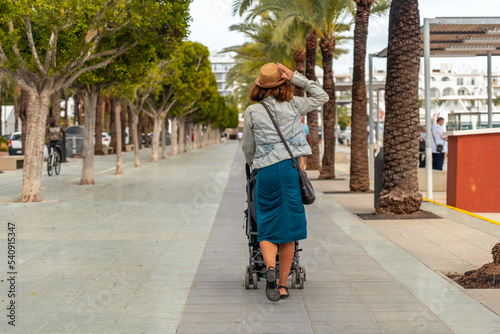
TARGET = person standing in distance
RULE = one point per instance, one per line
(438, 144)
(281, 218)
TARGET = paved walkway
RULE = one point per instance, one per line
(161, 249)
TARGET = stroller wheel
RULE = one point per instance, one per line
(303, 273)
(294, 280)
(247, 280)
(255, 279)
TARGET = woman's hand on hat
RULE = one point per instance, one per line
(287, 73)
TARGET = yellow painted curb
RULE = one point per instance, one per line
(464, 211)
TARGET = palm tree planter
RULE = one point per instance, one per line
(400, 193)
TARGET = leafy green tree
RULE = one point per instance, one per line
(47, 47)
(187, 78)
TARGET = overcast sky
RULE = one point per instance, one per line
(212, 18)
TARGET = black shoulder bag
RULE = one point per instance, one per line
(439, 148)
(306, 187)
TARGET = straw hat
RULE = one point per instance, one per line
(270, 76)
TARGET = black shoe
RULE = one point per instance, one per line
(272, 292)
(285, 296)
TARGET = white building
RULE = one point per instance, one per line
(221, 64)
(8, 120)
(453, 92)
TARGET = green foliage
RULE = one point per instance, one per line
(343, 117)
(65, 39)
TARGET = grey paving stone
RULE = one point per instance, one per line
(345, 327)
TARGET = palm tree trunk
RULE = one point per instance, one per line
(327, 170)
(299, 56)
(400, 182)
(359, 178)
(312, 116)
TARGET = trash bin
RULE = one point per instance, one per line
(74, 141)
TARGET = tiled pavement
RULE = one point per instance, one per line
(162, 250)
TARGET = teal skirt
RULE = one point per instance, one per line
(281, 217)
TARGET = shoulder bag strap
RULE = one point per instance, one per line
(295, 164)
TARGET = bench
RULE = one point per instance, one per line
(107, 150)
(12, 162)
(129, 148)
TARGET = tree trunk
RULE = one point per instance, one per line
(1, 132)
(400, 193)
(37, 111)
(182, 137)
(123, 120)
(112, 119)
(138, 127)
(163, 139)
(312, 116)
(56, 106)
(23, 113)
(135, 135)
(99, 125)
(66, 98)
(18, 103)
(189, 136)
(155, 143)
(145, 129)
(107, 114)
(359, 179)
(299, 56)
(89, 95)
(173, 137)
(118, 126)
(327, 170)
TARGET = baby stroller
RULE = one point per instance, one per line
(256, 268)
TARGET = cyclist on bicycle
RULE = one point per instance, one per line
(55, 134)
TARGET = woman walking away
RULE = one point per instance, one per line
(281, 218)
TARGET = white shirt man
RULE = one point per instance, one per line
(438, 139)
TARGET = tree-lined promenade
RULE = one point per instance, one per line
(310, 31)
(132, 54)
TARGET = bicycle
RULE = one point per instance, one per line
(54, 160)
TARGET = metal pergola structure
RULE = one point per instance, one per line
(448, 37)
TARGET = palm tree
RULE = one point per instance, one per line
(359, 178)
(327, 18)
(400, 181)
(251, 55)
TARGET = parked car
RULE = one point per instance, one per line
(144, 138)
(169, 141)
(16, 144)
(106, 139)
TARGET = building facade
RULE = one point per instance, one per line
(221, 64)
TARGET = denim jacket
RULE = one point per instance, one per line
(262, 145)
